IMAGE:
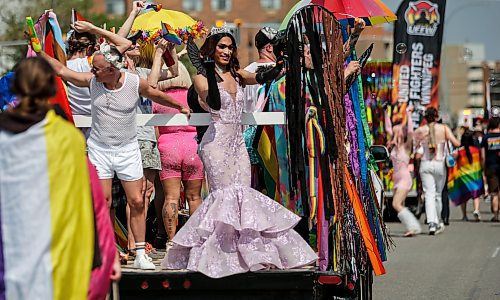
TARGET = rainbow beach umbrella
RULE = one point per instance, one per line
(150, 22)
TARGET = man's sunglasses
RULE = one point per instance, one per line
(95, 70)
(224, 46)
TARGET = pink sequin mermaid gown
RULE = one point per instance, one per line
(236, 229)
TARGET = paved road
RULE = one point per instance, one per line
(463, 262)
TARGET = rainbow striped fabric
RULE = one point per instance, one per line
(273, 152)
(46, 213)
(465, 180)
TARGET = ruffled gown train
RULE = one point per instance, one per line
(236, 229)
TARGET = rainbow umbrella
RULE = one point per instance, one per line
(373, 12)
(150, 22)
(292, 11)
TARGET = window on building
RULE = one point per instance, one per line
(270, 4)
(192, 5)
(115, 7)
(221, 5)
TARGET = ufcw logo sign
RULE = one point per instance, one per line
(422, 18)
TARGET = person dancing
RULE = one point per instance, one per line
(236, 228)
(401, 145)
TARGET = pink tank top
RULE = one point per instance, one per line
(180, 95)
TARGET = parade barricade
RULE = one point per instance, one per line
(196, 119)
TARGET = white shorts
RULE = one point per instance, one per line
(125, 161)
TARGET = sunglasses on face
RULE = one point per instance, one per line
(224, 46)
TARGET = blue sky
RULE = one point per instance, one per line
(470, 21)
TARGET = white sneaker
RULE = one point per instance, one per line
(477, 216)
(142, 262)
(432, 228)
(440, 228)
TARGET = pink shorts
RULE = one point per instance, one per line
(179, 157)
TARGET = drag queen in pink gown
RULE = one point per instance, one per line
(236, 229)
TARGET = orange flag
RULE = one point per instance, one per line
(364, 227)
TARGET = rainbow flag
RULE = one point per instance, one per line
(76, 16)
(46, 213)
(50, 35)
(465, 180)
(273, 152)
(169, 34)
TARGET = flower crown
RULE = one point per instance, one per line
(112, 57)
(194, 31)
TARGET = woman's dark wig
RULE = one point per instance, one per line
(208, 50)
(467, 141)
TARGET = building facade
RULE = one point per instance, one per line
(248, 16)
(469, 83)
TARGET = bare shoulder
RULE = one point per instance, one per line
(243, 72)
(445, 128)
(421, 129)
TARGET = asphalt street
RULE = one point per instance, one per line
(463, 262)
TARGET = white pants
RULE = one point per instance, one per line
(433, 175)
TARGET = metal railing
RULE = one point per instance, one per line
(196, 119)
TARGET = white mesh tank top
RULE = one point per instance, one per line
(114, 112)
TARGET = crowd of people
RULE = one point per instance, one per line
(113, 77)
(447, 168)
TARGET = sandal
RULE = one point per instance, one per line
(123, 258)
